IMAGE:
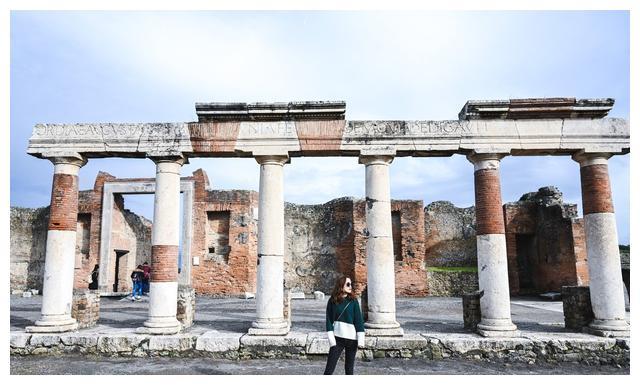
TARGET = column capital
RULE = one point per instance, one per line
(272, 159)
(591, 158)
(375, 159)
(179, 159)
(74, 160)
(484, 161)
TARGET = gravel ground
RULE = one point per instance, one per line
(84, 365)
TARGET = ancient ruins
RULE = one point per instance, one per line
(383, 236)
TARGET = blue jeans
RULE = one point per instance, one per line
(137, 288)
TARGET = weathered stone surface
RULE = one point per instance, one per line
(317, 343)
(449, 235)
(291, 339)
(407, 341)
(214, 341)
(46, 340)
(171, 343)
(80, 340)
(443, 283)
(19, 339)
(119, 343)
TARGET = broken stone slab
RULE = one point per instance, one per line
(26, 294)
(171, 343)
(17, 292)
(552, 296)
(34, 291)
(214, 341)
(318, 295)
(45, 340)
(85, 341)
(408, 341)
(296, 295)
(317, 343)
(19, 339)
(120, 343)
(292, 339)
(248, 295)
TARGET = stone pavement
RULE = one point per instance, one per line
(433, 330)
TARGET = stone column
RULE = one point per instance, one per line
(163, 290)
(381, 288)
(60, 253)
(270, 275)
(493, 275)
(603, 254)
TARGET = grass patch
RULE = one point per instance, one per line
(456, 269)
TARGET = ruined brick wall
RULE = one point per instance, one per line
(28, 236)
(224, 239)
(545, 243)
(329, 240)
(450, 236)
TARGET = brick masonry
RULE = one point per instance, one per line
(576, 305)
(596, 190)
(64, 203)
(489, 219)
(85, 307)
(164, 263)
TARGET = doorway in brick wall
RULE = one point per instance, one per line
(526, 254)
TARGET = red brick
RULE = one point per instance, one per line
(596, 190)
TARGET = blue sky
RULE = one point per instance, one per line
(153, 67)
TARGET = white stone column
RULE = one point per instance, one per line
(270, 275)
(60, 252)
(493, 275)
(165, 237)
(603, 255)
(381, 287)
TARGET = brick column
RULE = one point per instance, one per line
(493, 276)
(381, 288)
(163, 290)
(60, 253)
(270, 278)
(603, 254)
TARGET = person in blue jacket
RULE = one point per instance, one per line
(345, 326)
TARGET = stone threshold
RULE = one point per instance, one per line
(530, 347)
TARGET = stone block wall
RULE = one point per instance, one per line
(576, 305)
(450, 235)
(85, 307)
(28, 237)
(186, 311)
(451, 283)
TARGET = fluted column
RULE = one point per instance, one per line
(381, 287)
(270, 275)
(493, 275)
(60, 253)
(603, 255)
(165, 237)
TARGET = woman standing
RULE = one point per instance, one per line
(345, 326)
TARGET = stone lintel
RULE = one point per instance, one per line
(307, 110)
(536, 108)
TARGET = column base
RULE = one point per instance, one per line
(497, 328)
(171, 326)
(262, 328)
(53, 324)
(608, 328)
(388, 332)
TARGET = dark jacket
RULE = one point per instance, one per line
(352, 315)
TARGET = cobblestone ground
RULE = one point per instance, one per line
(429, 314)
(100, 365)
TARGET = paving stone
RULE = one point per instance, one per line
(86, 341)
(171, 343)
(46, 340)
(408, 341)
(214, 341)
(19, 339)
(119, 343)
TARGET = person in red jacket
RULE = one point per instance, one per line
(146, 269)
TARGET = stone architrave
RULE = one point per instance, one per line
(603, 255)
(493, 277)
(270, 276)
(163, 291)
(381, 290)
(57, 288)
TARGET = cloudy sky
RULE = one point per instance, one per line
(153, 66)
